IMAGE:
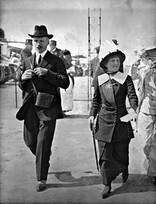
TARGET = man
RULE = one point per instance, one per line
(41, 81)
(95, 61)
(67, 95)
(26, 52)
(53, 49)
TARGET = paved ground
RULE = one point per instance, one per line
(73, 177)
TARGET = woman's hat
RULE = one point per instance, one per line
(109, 49)
(148, 52)
(40, 31)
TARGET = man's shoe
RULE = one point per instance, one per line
(125, 175)
(106, 191)
(41, 186)
(154, 180)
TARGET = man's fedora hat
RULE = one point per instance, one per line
(53, 42)
(40, 31)
(28, 42)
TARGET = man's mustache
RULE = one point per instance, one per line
(39, 47)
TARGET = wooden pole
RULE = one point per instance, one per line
(15, 90)
(89, 58)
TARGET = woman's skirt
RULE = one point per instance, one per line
(113, 159)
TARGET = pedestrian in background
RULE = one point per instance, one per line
(42, 75)
(53, 49)
(67, 94)
(25, 53)
(95, 61)
(146, 124)
(113, 129)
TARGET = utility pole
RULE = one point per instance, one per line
(94, 40)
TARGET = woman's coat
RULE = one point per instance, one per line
(109, 103)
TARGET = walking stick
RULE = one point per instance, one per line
(95, 150)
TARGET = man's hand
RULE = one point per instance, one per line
(40, 71)
(91, 121)
(28, 74)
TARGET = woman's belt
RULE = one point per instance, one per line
(111, 108)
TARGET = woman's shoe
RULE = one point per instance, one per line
(106, 191)
(125, 175)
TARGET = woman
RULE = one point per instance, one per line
(146, 124)
(113, 131)
(67, 94)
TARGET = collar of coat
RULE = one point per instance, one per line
(119, 77)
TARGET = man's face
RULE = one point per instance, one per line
(41, 43)
(68, 58)
(29, 47)
(52, 46)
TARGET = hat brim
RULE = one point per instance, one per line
(118, 53)
(39, 36)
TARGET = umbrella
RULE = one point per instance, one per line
(79, 56)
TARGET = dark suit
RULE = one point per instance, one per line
(56, 52)
(39, 123)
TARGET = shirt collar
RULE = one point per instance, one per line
(42, 55)
(119, 77)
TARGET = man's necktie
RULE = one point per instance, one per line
(39, 60)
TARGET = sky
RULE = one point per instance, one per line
(131, 22)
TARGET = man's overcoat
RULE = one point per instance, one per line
(55, 77)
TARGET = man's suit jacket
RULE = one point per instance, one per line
(56, 77)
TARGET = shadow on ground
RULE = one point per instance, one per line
(70, 181)
(136, 182)
(76, 116)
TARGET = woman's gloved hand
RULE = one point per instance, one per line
(132, 113)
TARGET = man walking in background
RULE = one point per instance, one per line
(53, 49)
(26, 52)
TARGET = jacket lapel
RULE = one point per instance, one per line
(44, 62)
(108, 92)
(32, 61)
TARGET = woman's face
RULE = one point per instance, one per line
(113, 64)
